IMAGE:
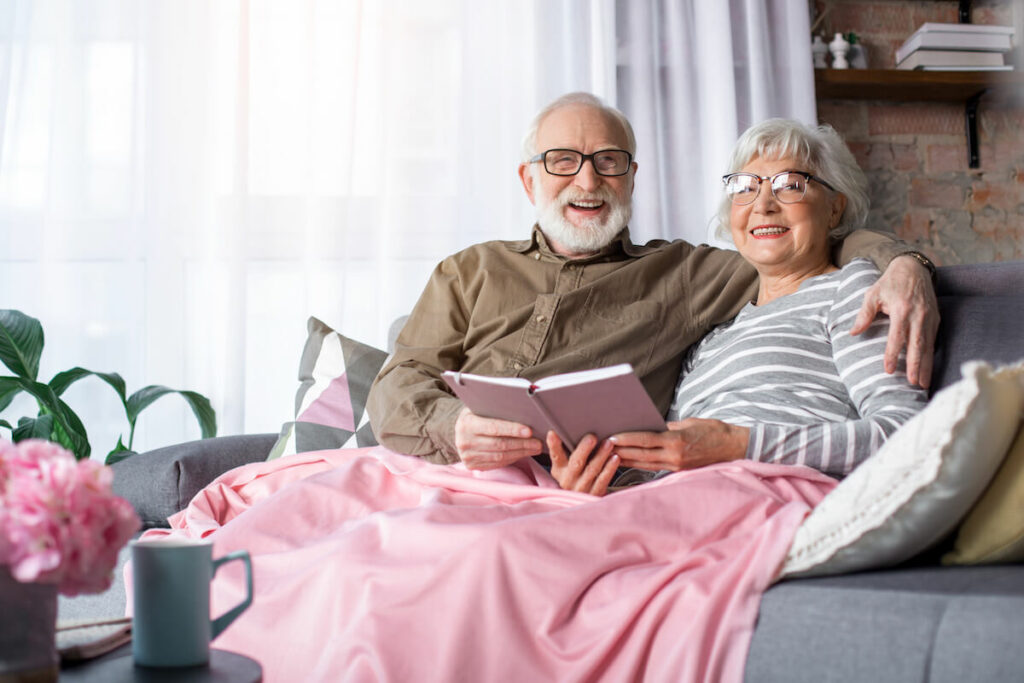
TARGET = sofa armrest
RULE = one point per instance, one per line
(161, 482)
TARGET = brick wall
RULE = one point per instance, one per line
(915, 153)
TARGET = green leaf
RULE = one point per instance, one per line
(72, 424)
(142, 399)
(9, 388)
(74, 435)
(119, 453)
(5, 423)
(21, 343)
(61, 436)
(61, 381)
(200, 405)
(204, 412)
(118, 456)
(33, 428)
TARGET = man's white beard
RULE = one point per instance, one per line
(593, 233)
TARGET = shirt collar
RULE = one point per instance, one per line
(622, 244)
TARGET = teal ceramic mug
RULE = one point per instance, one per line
(171, 623)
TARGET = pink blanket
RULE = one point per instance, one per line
(371, 566)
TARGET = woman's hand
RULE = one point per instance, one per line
(578, 473)
(692, 443)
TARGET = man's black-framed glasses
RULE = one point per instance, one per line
(606, 162)
(788, 187)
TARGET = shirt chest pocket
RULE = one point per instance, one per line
(619, 308)
(612, 328)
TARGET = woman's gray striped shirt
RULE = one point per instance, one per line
(811, 393)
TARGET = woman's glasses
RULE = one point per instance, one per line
(788, 187)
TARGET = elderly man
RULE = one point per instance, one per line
(579, 294)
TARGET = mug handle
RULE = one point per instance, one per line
(222, 622)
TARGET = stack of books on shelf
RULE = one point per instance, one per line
(956, 47)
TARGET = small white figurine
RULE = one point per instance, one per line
(819, 50)
(839, 48)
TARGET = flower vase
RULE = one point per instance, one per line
(28, 650)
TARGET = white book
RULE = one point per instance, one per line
(79, 640)
(920, 59)
(1005, 67)
(932, 36)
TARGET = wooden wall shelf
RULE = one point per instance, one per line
(899, 85)
(906, 86)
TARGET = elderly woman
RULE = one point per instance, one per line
(784, 381)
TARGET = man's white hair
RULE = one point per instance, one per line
(575, 99)
(820, 150)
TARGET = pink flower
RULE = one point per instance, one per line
(59, 521)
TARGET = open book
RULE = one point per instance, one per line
(601, 402)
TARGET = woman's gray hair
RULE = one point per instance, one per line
(820, 150)
(570, 99)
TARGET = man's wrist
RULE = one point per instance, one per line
(441, 428)
(923, 260)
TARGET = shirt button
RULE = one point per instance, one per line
(541, 318)
(536, 257)
(517, 365)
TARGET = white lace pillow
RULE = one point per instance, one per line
(920, 484)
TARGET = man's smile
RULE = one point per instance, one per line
(586, 207)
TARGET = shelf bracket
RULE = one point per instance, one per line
(971, 119)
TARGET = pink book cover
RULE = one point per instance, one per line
(603, 402)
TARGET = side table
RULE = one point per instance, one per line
(118, 666)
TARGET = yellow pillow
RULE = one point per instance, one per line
(993, 530)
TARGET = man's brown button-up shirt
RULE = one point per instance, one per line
(519, 309)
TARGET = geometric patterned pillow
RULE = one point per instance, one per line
(335, 375)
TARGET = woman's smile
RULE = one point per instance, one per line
(769, 231)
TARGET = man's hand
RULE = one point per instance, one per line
(582, 471)
(694, 442)
(485, 443)
(905, 293)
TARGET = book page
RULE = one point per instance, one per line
(450, 376)
(583, 376)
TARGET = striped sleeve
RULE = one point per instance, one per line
(883, 401)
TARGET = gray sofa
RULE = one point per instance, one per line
(916, 622)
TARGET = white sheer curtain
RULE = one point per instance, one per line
(692, 76)
(184, 182)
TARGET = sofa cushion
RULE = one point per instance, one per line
(948, 624)
(994, 529)
(920, 484)
(159, 483)
(977, 328)
(981, 307)
(335, 375)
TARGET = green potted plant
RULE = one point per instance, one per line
(21, 346)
